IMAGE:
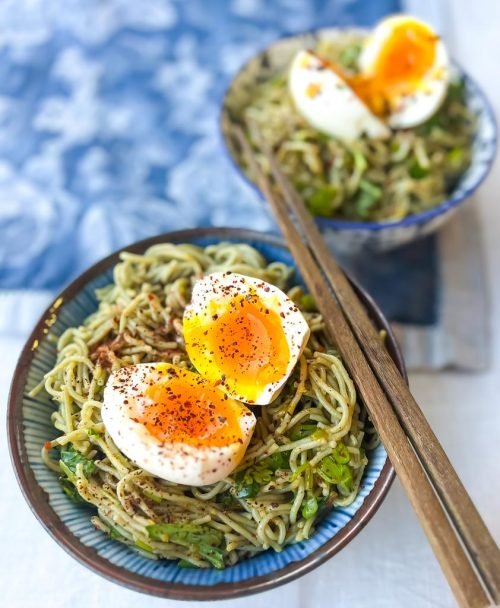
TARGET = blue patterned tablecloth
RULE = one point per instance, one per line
(109, 134)
(109, 121)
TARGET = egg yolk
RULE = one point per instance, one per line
(406, 56)
(185, 408)
(244, 346)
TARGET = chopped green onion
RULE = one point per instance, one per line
(341, 454)
(300, 431)
(367, 198)
(152, 496)
(456, 158)
(321, 201)
(374, 191)
(144, 546)
(416, 170)
(360, 162)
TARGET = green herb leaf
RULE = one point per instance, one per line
(71, 457)
(309, 508)
(278, 460)
(185, 534)
(227, 501)
(333, 472)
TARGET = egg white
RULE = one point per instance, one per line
(175, 462)
(416, 107)
(335, 109)
(218, 289)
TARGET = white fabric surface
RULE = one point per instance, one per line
(389, 564)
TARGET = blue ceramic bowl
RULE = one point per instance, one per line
(355, 237)
(29, 427)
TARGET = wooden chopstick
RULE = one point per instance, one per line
(460, 508)
(447, 548)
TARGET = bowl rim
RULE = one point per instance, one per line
(37, 498)
(336, 224)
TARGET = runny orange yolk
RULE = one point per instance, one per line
(405, 58)
(185, 408)
(244, 345)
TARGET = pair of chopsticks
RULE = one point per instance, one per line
(465, 549)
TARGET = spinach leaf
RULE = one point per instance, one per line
(309, 508)
(247, 489)
(416, 170)
(213, 555)
(70, 491)
(71, 457)
(335, 473)
(185, 534)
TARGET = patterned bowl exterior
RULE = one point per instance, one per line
(29, 427)
(355, 237)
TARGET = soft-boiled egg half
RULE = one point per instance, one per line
(405, 64)
(403, 79)
(244, 334)
(175, 424)
(324, 98)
